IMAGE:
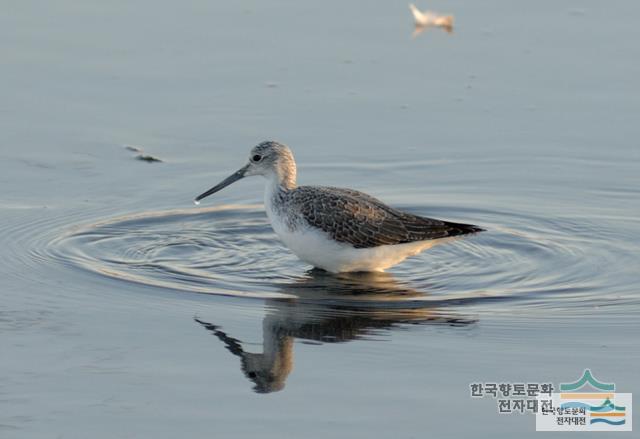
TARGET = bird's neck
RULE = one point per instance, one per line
(279, 183)
(284, 176)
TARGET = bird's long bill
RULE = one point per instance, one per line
(240, 173)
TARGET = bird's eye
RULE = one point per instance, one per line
(256, 158)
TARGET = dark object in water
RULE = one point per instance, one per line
(133, 148)
(148, 158)
(141, 156)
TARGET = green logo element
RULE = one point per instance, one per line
(607, 406)
(587, 377)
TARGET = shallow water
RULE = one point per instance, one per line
(128, 312)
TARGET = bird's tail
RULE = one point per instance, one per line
(456, 229)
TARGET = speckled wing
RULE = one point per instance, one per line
(363, 221)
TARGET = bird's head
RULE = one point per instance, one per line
(270, 159)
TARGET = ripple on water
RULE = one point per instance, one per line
(231, 250)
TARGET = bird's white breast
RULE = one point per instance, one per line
(318, 249)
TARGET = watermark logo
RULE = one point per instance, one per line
(586, 405)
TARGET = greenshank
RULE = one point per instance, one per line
(335, 229)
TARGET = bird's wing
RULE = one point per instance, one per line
(418, 16)
(363, 221)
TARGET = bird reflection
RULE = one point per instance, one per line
(328, 308)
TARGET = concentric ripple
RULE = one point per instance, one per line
(224, 250)
(231, 250)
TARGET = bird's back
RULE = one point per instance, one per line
(358, 219)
